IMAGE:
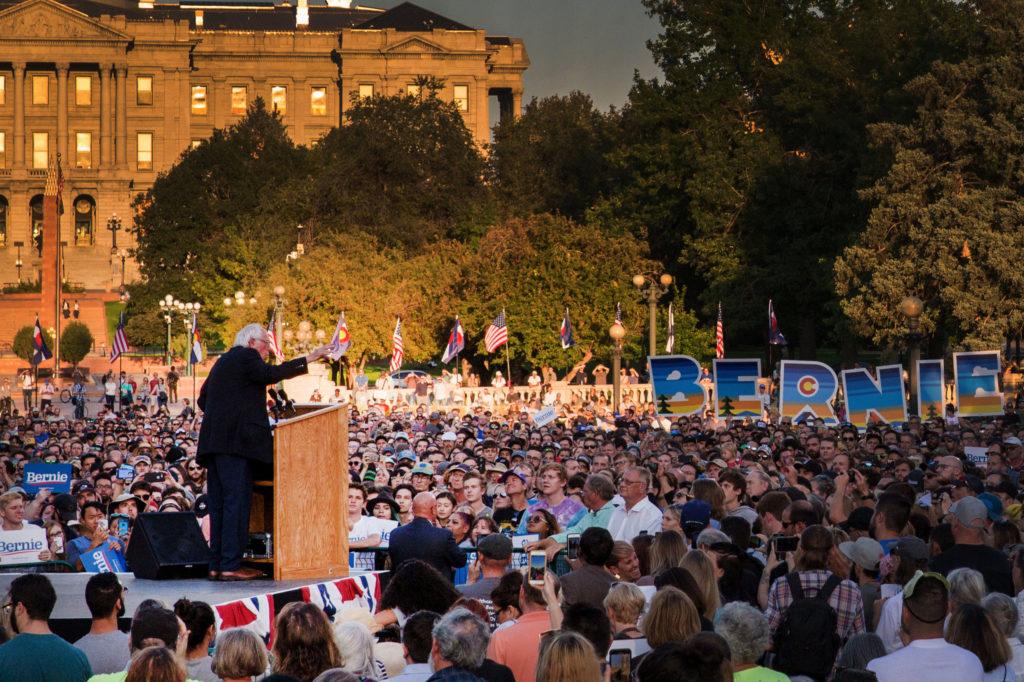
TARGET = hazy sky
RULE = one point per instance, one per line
(588, 45)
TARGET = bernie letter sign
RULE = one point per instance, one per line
(56, 477)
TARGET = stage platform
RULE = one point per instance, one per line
(252, 604)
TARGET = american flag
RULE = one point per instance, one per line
(275, 348)
(120, 340)
(670, 344)
(497, 334)
(397, 349)
(719, 335)
(60, 187)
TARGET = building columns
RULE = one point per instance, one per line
(19, 114)
(121, 141)
(62, 111)
(105, 159)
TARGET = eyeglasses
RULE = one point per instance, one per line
(143, 497)
(195, 468)
(536, 519)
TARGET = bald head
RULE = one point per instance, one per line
(425, 506)
(949, 468)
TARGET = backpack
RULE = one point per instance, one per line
(806, 641)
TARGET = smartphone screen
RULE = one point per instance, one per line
(538, 562)
(784, 543)
(126, 472)
(618, 662)
(572, 546)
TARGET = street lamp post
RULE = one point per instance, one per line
(912, 307)
(114, 225)
(652, 290)
(617, 332)
(123, 254)
(166, 305)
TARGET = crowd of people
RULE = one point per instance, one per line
(674, 549)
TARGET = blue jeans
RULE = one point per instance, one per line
(229, 492)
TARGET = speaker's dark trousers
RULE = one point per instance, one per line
(229, 491)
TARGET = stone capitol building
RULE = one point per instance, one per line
(121, 89)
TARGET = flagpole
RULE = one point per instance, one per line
(192, 365)
(120, 392)
(508, 365)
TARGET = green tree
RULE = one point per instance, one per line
(24, 344)
(403, 168)
(954, 176)
(725, 406)
(75, 342)
(536, 267)
(193, 222)
(553, 158)
(741, 167)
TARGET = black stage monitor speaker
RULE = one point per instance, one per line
(168, 545)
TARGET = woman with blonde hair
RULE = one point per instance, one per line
(568, 658)
(702, 568)
(971, 628)
(624, 604)
(671, 618)
(667, 551)
(304, 646)
(156, 664)
(240, 656)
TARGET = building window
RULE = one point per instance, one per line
(279, 99)
(3, 90)
(365, 90)
(40, 150)
(144, 156)
(3, 149)
(461, 98)
(83, 91)
(318, 102)
(83, 150)
(4, 206)
(85, 213)
(239, 100)
(40, 90)
(144, 91)
(198, 100)
(413, 89)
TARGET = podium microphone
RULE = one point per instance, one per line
(278, 404)
(288, 404)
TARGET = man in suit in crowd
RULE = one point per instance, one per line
(421, 539)
(235, 437)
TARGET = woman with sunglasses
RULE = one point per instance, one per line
(541, 522)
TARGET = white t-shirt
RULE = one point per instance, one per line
(22, 546)
(889, 624)
(934, 660)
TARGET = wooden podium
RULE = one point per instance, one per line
(305, 506)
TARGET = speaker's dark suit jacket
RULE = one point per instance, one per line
(420, 539)
(234, 404)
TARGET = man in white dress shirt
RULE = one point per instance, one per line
(637, 513)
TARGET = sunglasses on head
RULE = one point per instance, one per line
(536, 519)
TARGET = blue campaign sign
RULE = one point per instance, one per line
(103, 560)
(56, 477)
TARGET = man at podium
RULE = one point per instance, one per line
(234, 436)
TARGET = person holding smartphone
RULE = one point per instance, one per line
(95, 533)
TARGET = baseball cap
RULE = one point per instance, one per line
(497, 466)
(512, 472)
(422, 468)
(719, 463)
(970, 512)
(495, 546)
(865, 552)
(993, 504)
(908, 589)
(695, 511)
(859, 519)
(406, 454)
(1012, 440)
(913, 548)
(448, 436)
(402, 434)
